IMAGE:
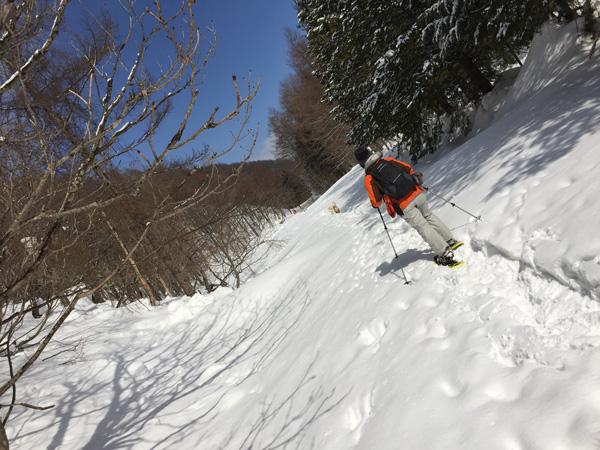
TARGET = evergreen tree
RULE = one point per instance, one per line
(408, 67)
(483, 32)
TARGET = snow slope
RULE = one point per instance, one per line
(326, 348)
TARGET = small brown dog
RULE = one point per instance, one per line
(334, 209)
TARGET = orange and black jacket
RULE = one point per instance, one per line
(375, 190)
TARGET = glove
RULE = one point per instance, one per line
(417, 178)
(389, 206)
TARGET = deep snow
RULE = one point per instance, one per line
(326, 348)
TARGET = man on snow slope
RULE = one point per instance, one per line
(408, 201)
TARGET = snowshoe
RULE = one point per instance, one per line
(447, 259)
(453, 244)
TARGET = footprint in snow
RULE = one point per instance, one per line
(371, 335)
(356, 416)
(450, 388)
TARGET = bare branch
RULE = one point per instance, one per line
(38, 54)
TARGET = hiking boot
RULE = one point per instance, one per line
(453, 244)
(446, 259)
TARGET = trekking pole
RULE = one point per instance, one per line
(453, 204)
(393, 248)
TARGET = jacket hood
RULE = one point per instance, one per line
(376, 156)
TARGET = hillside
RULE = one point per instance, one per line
(324, 347)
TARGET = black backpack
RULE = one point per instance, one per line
(395, 182)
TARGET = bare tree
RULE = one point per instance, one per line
(304, 127)
(77, 100)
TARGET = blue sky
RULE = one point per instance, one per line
(250, 38)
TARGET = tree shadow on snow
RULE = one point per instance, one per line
(146, 409)
(294, 426)
(571, 106)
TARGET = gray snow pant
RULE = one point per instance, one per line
(427, 224)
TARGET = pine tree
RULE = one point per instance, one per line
(375, 64)
(407, 68)
(474, 29)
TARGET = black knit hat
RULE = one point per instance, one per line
(362, 154)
